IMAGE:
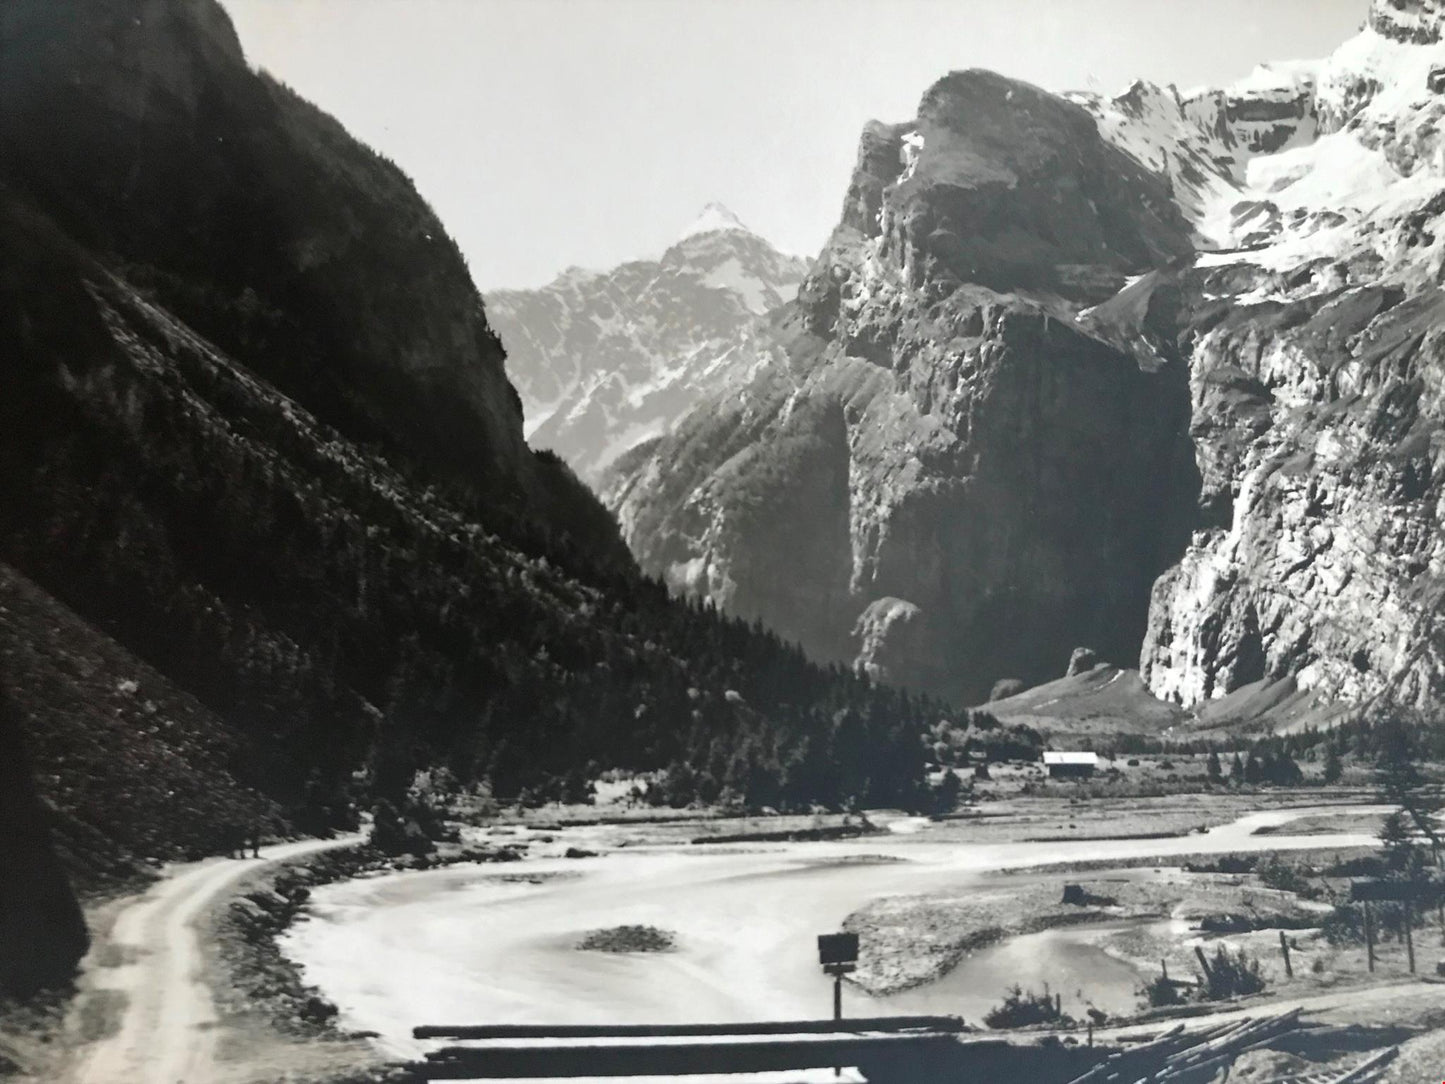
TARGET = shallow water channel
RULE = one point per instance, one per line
(1070, 962)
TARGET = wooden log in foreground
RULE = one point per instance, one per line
(1367, 1069)
(891, 1049)
(950, 1025)
(766, 1055)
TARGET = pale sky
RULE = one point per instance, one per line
(551, 133)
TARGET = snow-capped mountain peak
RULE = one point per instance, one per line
(1307, 159)
(604, 360)
(714, 217)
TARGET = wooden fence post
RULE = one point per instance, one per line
(1409, 934)
(1204, 963)
(1284, 949)
(1370, 936)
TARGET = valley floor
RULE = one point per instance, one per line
(469, 944)
(500, 944)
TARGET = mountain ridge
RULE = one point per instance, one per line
(1270, 286)
(606, 360)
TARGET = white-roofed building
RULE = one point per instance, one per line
(1071, 765)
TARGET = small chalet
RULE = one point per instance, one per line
(1071, 765)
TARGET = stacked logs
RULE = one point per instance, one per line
(1179, 1057)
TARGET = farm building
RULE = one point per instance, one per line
(1071, 765)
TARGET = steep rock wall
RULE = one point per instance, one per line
(1318, 428)
(1007, 473)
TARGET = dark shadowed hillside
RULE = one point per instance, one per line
(42, 934)
(276, 539)
(132, 768)
(257, 220)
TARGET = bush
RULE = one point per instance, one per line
(1344, 926)
(944, 796)
(1275, 872)
(1365, 865)
(1231, 976)
(1024, 1008)
(1162, 992)
(392, 835)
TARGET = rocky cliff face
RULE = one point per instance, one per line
(1065, 427)
(607, 360)
(943, 457)
(1316, 377)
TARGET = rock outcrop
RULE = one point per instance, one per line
(1419, 22)
(1317, 376)
(606, 360)
(1227, 465)
(42, 932)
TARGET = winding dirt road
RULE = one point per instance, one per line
(151, 968)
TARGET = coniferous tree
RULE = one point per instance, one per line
(1398, 739)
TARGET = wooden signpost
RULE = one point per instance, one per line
(838, 953)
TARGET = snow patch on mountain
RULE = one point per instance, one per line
(1305, 160)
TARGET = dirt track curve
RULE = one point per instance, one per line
(166, 1031)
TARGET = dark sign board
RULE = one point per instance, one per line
(1396, 890)
(837, 948)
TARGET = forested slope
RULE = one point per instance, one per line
(260, 466)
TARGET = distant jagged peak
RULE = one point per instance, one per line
(574, 275)
(714, 217)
